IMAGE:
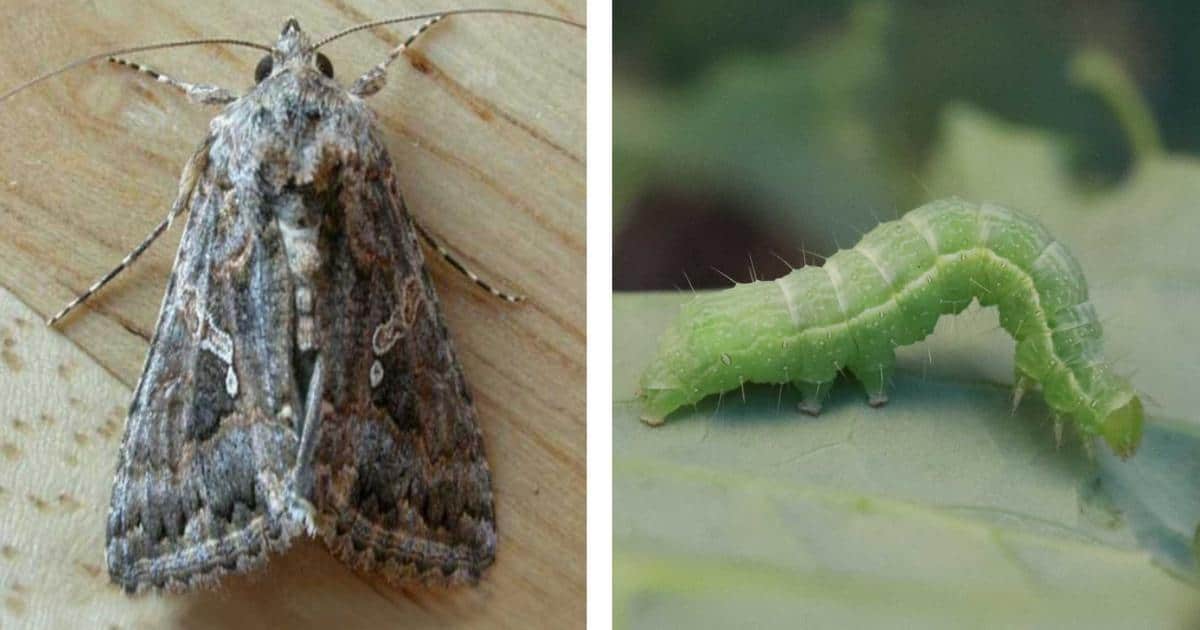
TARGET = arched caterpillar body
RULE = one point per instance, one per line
(889, 291)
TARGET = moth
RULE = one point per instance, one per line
(888, 291)
(301, 379)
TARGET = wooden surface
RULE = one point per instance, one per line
(486, 126)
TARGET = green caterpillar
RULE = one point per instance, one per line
(889, 291)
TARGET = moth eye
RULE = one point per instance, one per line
(324, 65)
(263, 69)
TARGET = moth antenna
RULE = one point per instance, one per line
(126, 51)
(779, 398)
(689, 281)
(444, 14)
(753, 271)
(726, 275)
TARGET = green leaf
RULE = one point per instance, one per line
(937, 509)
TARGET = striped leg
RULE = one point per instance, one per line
(125, 262)
(187, 184)
(463, 269)
(196, 92)
(372, 80)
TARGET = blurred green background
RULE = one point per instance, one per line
(746, 131)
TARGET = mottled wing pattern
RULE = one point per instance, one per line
(202, 481)
(402, 485)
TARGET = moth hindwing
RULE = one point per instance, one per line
(301, 377)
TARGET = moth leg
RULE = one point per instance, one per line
(462, 268)
(187, 184)
(373, 80)
(812, 394)
(200, 93)
(874, 377)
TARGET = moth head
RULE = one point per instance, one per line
(293, 50)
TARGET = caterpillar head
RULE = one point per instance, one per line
(662, 386)
(1122, 427)
(660, 394)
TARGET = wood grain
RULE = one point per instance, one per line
(487, 130)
